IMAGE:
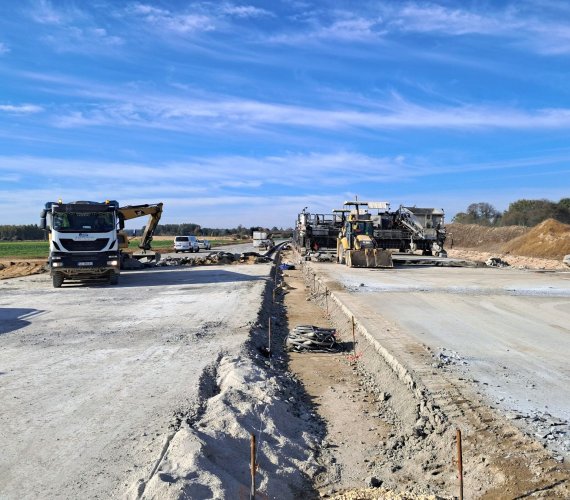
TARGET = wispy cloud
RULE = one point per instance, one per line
(244, 11)
(20, 109)
(214, 112)
(81, 40)
(543, 34)
(4, 49)
(529, 29)
(44, 12)
(235, 189)
(170, 21)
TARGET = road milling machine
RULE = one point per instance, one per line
(317, 232)
(356, 245)
(409, 229)
(87, 239)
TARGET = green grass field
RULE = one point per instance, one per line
(39, 249)
(24, 249)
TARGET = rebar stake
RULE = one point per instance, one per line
(269, 340)
(460, 464)
(353, 339)
(253, 468)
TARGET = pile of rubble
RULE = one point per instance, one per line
(215, 259)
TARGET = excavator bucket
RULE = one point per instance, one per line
(369, 257)
(146, 258)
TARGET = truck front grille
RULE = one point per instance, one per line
(84, 246)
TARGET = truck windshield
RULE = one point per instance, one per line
(94, 222)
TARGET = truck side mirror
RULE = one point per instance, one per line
(43, 223)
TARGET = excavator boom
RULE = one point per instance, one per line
(134, 211)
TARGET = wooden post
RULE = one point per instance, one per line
(253, 468)
(460, 464)
(327, 299)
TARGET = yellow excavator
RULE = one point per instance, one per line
(356, 246)
(132, 212)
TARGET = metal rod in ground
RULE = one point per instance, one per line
(269, 340)
(460, 464)
(327, 299)
(353, 338)
(253, 468)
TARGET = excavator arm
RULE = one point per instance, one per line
(134, 211)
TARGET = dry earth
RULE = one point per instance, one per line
(501, 460)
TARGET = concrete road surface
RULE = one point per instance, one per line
(507, 329)
(92, 377)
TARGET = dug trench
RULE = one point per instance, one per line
(351, 424)
(388, 426)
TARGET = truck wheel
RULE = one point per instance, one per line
(113, 279)
(57, 279)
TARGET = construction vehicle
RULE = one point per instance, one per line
(87, 239)
(356, 246)
(154, 211)
(317, 232)
(262, 240)
(408, 229)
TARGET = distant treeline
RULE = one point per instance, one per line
(16, 233)
(33, 232)
(196, 229)
(520, 213)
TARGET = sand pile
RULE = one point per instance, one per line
(489, 239)
(209, 458)
(549, 239)
(17, 269)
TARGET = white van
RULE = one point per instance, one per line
(186, 244)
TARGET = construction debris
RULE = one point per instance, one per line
(215, 259)
(312, 338)
(496, 262)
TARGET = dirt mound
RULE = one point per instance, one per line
(489, 239)
(549, 239)
(19, 268)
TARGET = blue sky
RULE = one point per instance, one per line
(246, 112)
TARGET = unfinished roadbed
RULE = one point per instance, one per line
(441, 349)
(147, 390)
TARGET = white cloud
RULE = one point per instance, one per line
(231, 190)
(542, 34)
(45, 13)
(168, 21)
(4, 49)
(23, 109)
(244, 11)
(424, 18)
(225, 112)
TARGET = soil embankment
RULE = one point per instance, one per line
(541, 247)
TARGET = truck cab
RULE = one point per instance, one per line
(83, 240)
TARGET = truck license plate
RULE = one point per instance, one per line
(85, 263)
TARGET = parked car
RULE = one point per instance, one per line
(186, 244)
(205, 244)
